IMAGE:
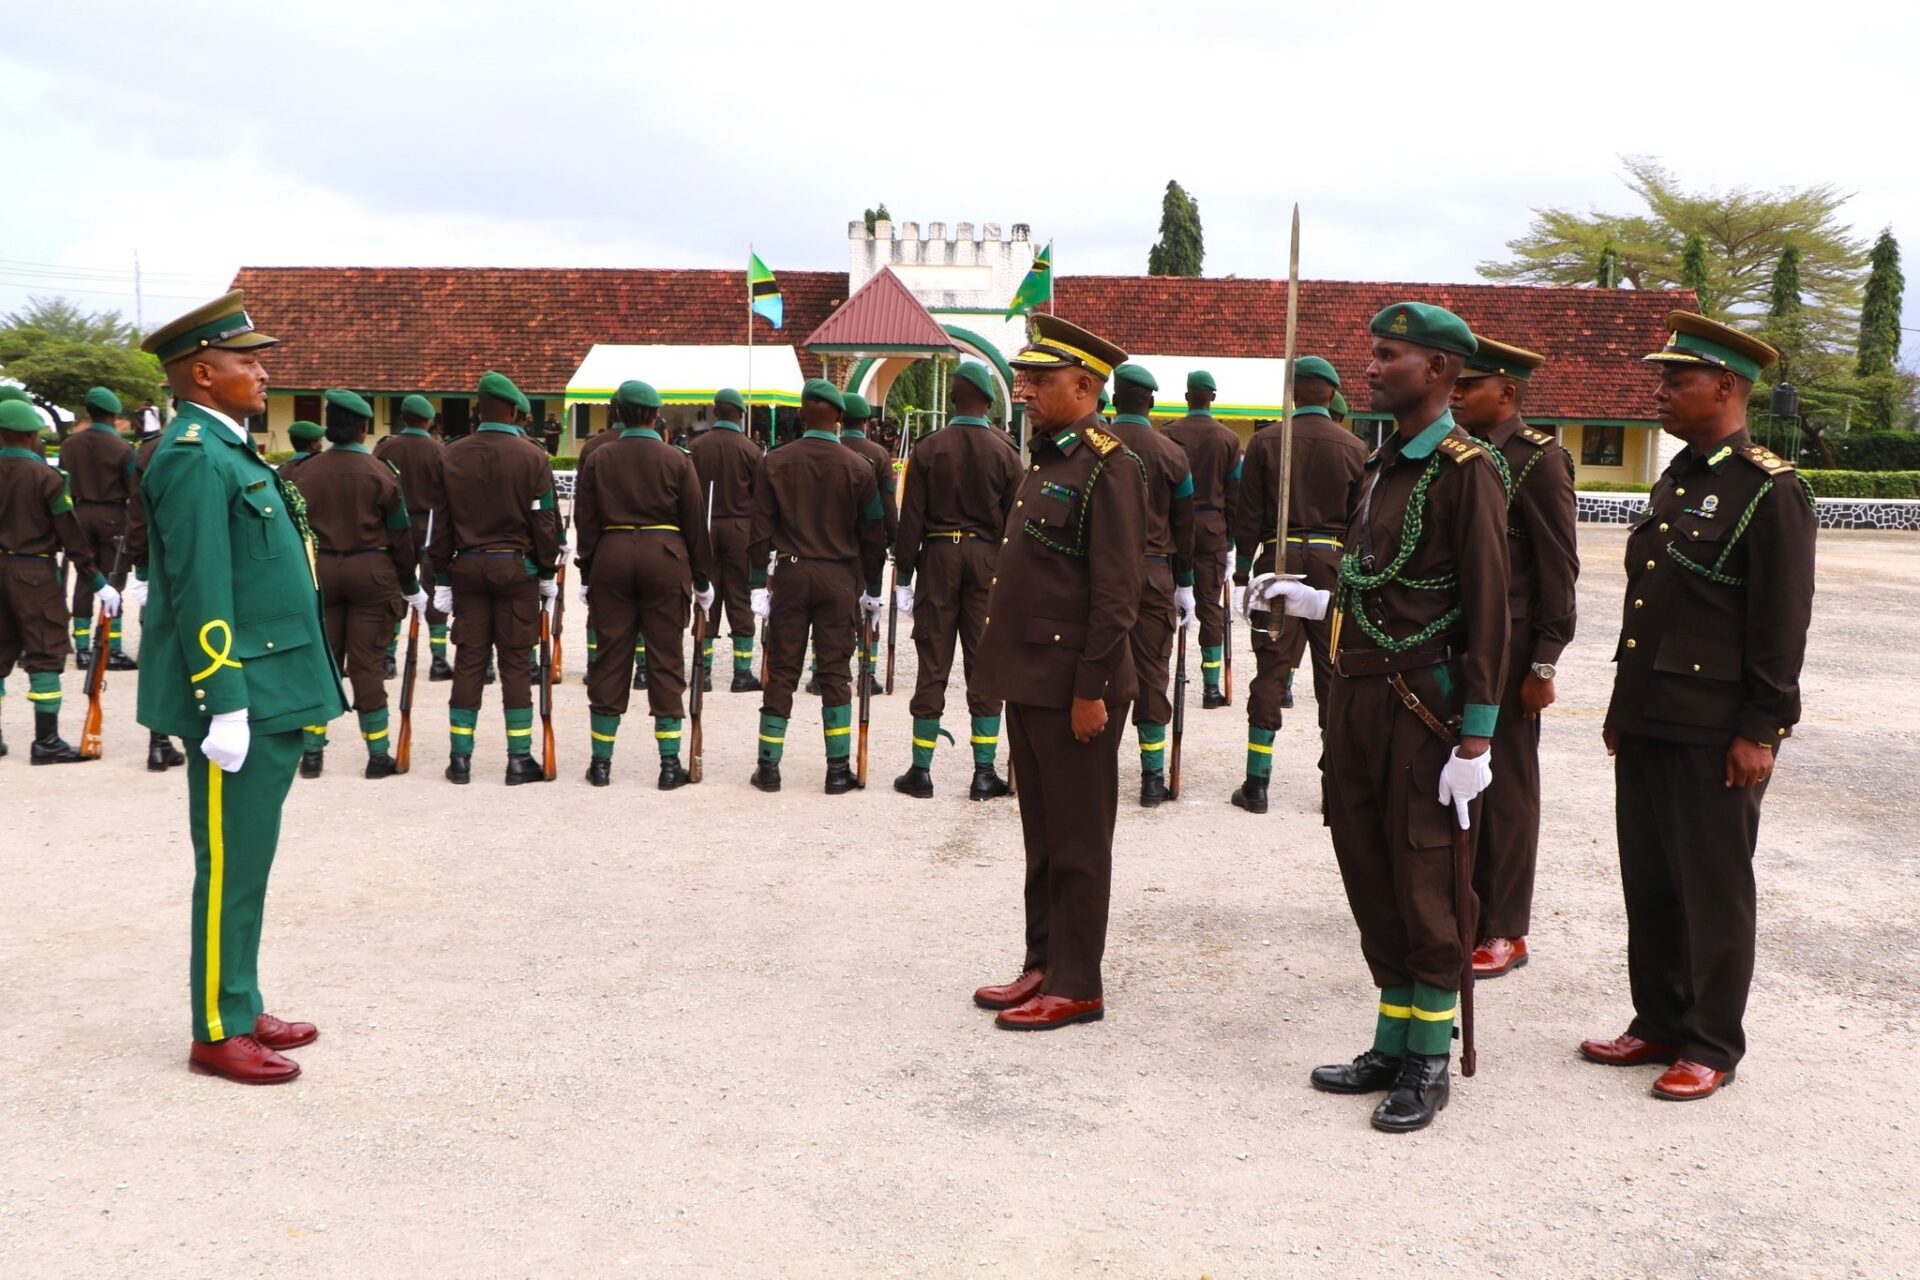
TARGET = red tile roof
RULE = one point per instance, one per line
(882, 317)
(1593, 338)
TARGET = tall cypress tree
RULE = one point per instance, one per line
(1693, 271)
(1786, 326)
(1180, 249)
(1608, 276)
(1880, 308)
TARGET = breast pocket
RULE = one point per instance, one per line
(261, 510)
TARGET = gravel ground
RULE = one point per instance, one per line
(568, 1031)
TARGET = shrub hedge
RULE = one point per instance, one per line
(1877, 450)
(1863, 484)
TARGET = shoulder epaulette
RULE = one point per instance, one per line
(1531, 436)
(1103, 444)
(1765, 459)
(190, 436)
(1461, 450)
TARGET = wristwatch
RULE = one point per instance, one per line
(1544, 670)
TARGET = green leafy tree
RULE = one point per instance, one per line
(1181, 248)
(878, 215)
(57, 351)
(1608, 276)
(1880, 308)
(1695, 275)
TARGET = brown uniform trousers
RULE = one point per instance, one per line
(950, 598)
(1391, 835)
(1275, 657)
(361, 592)
(36, 523)
(365, 547)
(821, 597)
(1067, 595)
(100, 469)
(642, 586)
(496, 610)
(415, 455)
(1169, 557)
(1213, 455)
(1543, 562)
(1701, 660)
(726, 461)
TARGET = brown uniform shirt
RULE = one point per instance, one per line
(136, 509)
(1715, 626)
(641, 482)
(961, 479)
(596, 442)
(818, 503)
(1462, 542)
(36, 515)
(1327, 460)
(286, 469)
(498, 497)
(882, 463)
(1213, 453)
(99, 464)
(354, 505)
(1543, 553)
(1169, 527)
(1067, 586)
(726, 462)
(420, 460)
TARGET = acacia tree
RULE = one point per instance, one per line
(1181, 248)
(57, 351)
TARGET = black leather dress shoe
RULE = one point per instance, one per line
(1371, 1072)
(1419, 1093)
(600, 772)
(915, 782)
(1211, 699)
(491, 675)
(813, 684)
(673, 774)
(162, 755)
(706, 680)
(839, 777)
(312, 762)
(1251, 795)
(118, 661)
(1153, 788)
(381, 766)
(639, 677)
(524, 769)
(766, 776)
(440, 670)
(460, 769)
(987, 785)
(48, 746)
(745, 682)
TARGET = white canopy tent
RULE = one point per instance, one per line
(689, 374)
(1251, 387)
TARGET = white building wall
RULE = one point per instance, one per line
(970, 268)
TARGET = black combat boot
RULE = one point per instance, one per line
(766, 776)
(1419, 1093)
(600, 772)
(312, 762)
(524, 769)
(706, 679)
(3, 748)
(121, 660)
(987, 785)
(388, 667)
(673, 774)
(441, 669)
(460, 769)
(745, 682)
(916, 782)
(1251, 795)
(839, 777)
(48, 746)
(1212, 698)
(381, 766)
(1153, 788)
(161, 754)
(1371, 1072)
(491, 675)
(813, 684)
(874, 687)
(639, 677)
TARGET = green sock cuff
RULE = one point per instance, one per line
(836, 726)
(1393, 1021)
(313, 738)
(115, 641)
(460, 726)
(1259, 752)
(743, 653)
(666, 733)
(604, 730)
(986, 738)
(1211, 656)
(43, 691)
(519, 730)
(926, 738)
(773, 737)
(373, 729)
(1431, 1031)
(1153, 747)
(437, 637)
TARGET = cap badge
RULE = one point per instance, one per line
(1399, 324)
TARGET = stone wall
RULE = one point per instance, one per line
(1834, 513)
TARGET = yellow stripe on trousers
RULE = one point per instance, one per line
(216, 875)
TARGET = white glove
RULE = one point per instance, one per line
(1464, 779)
(136, 593)
(1228, 576)
(704, 599)
(443, 599)
(903, 597)
(418, 601)
(761, 602)
(873, 606)
(227, 740)
(1239, 604)
(773, 562)
(109, 601)
(583, 593)
(549, 589)
(1296, 598)
(1183, 606)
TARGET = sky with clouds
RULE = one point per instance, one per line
(1416, 137)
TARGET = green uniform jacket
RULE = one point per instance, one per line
(233, 618)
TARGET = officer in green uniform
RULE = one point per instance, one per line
(235, 662)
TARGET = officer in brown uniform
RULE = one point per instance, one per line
(593, 445)
(1067, 594)
(726, 462)
(496, 544)
(1543, 563)
(99, 467)
(367, 566)
(1166, 599)
(1213, 453)
(36, 523)
(853, 434)
(815, 503)
(1326, 466)
(161, 753)
(1419, 647)
(961, 482)
(413, 452)
(308, 438)
(642, 521)
(1706, 690)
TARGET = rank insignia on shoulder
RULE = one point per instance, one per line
(1103, 444)
(1532, 436)
(1460, 450)
(1064, 493)
(1766, 459)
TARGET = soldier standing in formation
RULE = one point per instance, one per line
(1067, 593)
(1543, 563)
(1166, 599)
(961, 483)
(308, 438)
(235, 664)
(1420, 651)
(594, 443)
(1706, 690)
(726, 462)
(99, 467)
(37, 522)
(1213, 455)
(1326, 466)
(642, 522)
(368, 569)
(853, 434)
(415, 456)
(496, 544)
(816, 505)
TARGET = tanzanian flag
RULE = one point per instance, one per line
(763, 291)
(1037, 289)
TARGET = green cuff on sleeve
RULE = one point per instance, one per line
(99, 581)
(875, 586)
(1477, 721)
(1185, 488)
(399, 519)
(874, 510)
(757, 578)
(1184, 578)
(442, 579)
(1242, 564)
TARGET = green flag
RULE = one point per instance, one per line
(1037, 289)
(763, 292)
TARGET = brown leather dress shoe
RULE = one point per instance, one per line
(1626, 1050)
(278, 1035)
(1044, 1013)
(1686, 1081)
(1497, 956)
(241, 1059)
(1008, 994)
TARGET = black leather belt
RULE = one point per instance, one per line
(1154, 559)
(1385, 662)
(1200, 508)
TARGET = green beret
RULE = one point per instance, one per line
(976, 375)
(103, 399)
(858, 410)
(500, 387)
(1136, 375)
(637, 395)
(1201, 380)
(19, 415)
(821, 389)
(352, 402)
(14, 393)
(727, 395)
(417, 406)
(1315, 367)
(306, 432)
(1426, 325)
(1339, 405)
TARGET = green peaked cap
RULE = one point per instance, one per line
(1339, 404)
(417, 406)
(1425, 325)
(14, 393)
(352, 402)
(727, 395)
(500, 387)
(1202, 380)
(18, 415)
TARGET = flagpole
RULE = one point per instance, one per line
(750, 351)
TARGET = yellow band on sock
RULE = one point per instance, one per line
(929, 743)
(462, 729)
(600, 737)
(1396, 1010)
(980, 741)
(1425, 1015)
(1261, 748)
(1153, 746)
(516, 733)
(775, 741)
(840, 732)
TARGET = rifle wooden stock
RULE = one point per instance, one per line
(695, 696)
(92, 737)
(559, 612)
(1179, 717)
(403, 749)
(548, 766)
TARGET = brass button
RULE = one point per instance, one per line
(1696, 666)
(1693, 533)
(1633, 644)
(1056, 639)
(1638, 603)
(1649, 564)
(269, 644)
(1663, 526)
(269, 510)
(199, 693)
(1003, 542)
(994, 583)
(1019, 502)
(1783, 733)
(985, 621)
(1679, 493)
(1036, 466)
